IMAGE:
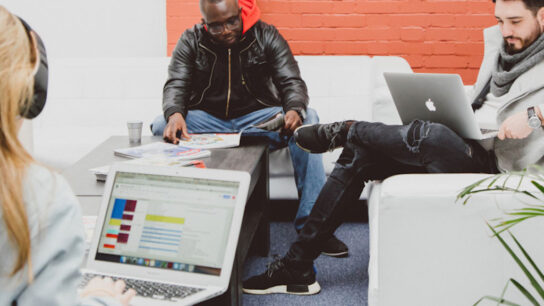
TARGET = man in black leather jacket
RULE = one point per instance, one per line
(232, 72)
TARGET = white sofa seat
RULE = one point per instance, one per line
(428, 249)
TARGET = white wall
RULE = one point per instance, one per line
(77, 31)
(98, 28)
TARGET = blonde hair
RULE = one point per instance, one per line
(17, 60)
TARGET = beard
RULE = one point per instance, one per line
(511, 48)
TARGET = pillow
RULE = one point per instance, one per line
(383, 107)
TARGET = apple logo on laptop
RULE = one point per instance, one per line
(430, 105)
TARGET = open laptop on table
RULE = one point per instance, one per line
(437, 98)
(169, 233)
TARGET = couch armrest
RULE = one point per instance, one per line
(428, 249)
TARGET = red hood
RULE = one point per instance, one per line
(250, 13)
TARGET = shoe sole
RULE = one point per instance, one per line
(305, 149)
(298, 144)
(287, 289)
(337, 255)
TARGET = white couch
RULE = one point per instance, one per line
(91, 99)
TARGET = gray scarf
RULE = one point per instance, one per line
(511, 66)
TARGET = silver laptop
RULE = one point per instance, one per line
(437, 98)
(170, 233)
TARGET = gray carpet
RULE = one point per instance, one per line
(344, 281)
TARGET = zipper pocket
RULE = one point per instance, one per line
(254, 96)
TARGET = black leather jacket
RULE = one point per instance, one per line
(269, 70)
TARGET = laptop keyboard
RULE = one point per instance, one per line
(149, 289)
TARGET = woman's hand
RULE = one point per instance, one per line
(106, 287)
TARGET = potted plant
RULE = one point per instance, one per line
(513, 182)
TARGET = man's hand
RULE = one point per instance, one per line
(292, 121)
(515, 127)
(175, 123)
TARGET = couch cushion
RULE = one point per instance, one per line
(339, 86)
(383, 107)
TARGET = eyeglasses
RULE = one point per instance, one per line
(216, 28)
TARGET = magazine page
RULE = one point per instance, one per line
(164, 162)
(212, 141)
(162, 150)
(101, 173)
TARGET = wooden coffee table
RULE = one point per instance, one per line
(250, 157)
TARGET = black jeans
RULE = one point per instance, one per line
(375, 151)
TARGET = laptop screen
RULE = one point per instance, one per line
(168, 222)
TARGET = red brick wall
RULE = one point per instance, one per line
(434, 36)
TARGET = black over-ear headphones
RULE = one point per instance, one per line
(40, 78)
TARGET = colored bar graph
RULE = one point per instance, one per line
(128, 217)
(118, 208)
(165, 219)
(125, 227)
(109, 246)
(122, 238)
(115, 222)
(130, 206)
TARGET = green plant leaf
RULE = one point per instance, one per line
(521, 178)
(499, 188)
(533, 281)
(505, 227)
(500, 301)
(525, 213)
(512, 221)
(494, 180)
(534, 209)
(508, 176)
(529, 259)
(524, 291)
(528, 193)
(539, 186)
(470, 187)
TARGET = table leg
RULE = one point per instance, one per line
(254, 236)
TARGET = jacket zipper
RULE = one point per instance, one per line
(211, 74)
(228, 90)
(243, 79)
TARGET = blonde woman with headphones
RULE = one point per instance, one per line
(41, 232)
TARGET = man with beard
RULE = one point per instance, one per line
(232, 72)
(509, 92)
